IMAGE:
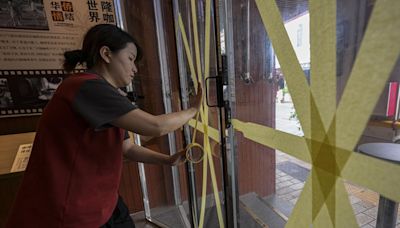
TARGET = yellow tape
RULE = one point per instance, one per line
(355, 168)
(205, 124)
(375, 60)
(323, 59)
(301, 216)
(196, 41)
(344, 213)
(188, 53)
(203, 192)
(212, 132)
(290, 144)
(207, 40)
(212, 170)
(207, 158)
(323, 106)
(294, 75)
(189, 156)
(330, 134)
(344, 131)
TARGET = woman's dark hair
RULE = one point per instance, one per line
(97, 37)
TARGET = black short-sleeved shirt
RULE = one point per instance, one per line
(74, 171)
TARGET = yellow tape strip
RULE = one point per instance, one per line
(203, 191)
(206, 138)
(379, 172)
(295, 78)
(383, 57)
(321, 123)
(212, 132)
(301, 216)
(188, 155)
(188, 53)
(375, 60)
(344, 215)
(375, 174)
(357, 167)
(329, 136)
(212, 171)
(323, 58)
(196, 41)
(323, 107)
(274, 139)
(207, 41)
(207, 158)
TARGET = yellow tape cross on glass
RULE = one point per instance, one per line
(331, 131)
(198, 80)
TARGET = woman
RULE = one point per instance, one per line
(75, 166)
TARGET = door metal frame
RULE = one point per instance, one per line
(166, 92)
(162, 55)
(229, 159)
(230, 156)
(121, 22)
(193, 205)
(231, 182)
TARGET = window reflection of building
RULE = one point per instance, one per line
(298, 30)
(299, 35)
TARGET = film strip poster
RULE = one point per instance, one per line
(34, 34)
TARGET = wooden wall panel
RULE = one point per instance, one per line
(130, 189)
(254, 101)
(141, 24)
(172, 59)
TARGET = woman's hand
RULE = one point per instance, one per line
(178, 158)
(197, 99)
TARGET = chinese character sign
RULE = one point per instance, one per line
(35, 34)
(33, 38)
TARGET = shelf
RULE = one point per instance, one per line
(384, 123)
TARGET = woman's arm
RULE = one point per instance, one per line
(147, 124)
(142, 154)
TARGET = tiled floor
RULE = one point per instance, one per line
(364, 201)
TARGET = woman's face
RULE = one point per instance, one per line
(122, 65)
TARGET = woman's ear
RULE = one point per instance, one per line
(105, 54)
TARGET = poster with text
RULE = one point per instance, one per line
(34, 34)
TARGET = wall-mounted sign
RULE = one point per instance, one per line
(34, 34)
